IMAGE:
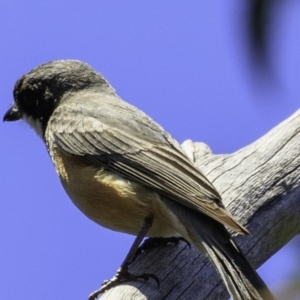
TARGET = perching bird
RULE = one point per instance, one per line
(123, 171)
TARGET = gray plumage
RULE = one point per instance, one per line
(80, 118)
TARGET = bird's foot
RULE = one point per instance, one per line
(151, 243)
(120, 277)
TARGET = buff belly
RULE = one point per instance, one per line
(112, 201)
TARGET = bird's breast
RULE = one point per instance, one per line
(111, 200)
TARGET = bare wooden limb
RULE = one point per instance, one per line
(260, 185)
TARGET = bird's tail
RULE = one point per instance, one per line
(241, 280)
(212, 238)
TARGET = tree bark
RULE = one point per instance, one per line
(260, 186)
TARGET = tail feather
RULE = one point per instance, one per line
(212, 238)
(224, 268)
(241, 280)
(229, 267)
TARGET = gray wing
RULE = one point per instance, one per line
(112, 134)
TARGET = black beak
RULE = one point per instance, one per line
(13, 114)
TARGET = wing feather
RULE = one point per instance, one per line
(139, 150)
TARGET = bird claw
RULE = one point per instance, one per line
(151, 243)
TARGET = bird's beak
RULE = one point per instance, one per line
(13, 114)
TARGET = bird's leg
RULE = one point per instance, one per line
(153, 242)
(122, 274)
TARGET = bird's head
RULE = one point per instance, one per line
(39, 92)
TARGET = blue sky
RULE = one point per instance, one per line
(183, 63)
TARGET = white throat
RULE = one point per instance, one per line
(35, 124)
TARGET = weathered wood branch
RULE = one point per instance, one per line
(260, 186)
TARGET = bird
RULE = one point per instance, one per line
(126, 173)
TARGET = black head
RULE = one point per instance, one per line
(37, 93)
